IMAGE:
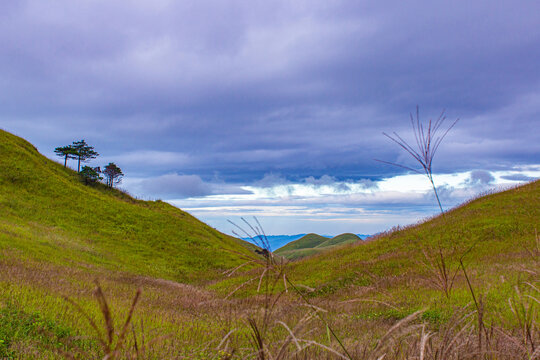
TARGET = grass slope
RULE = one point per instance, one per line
(396, 273)
(386, 281)
(496, 235)
(305, 242)
(57, 236)
(342, 239)
(312, 244)
(49, 215)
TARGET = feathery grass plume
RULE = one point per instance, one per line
(257, 236)
(428, 139)
(441, 275)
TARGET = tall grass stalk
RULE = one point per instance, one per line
(111, 341)
(273, 271)
(428, 139)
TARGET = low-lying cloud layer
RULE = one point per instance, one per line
(347, 206)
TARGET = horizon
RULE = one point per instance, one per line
(277, 110)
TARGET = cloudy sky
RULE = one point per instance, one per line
(277, 108)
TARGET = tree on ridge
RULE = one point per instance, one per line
(90, 174)
(113, 174)
(67, 152)
(83, 152)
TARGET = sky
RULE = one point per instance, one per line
(276, 109)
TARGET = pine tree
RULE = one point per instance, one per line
(67, 152)
(83, 152)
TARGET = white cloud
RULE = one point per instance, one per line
(397, 200)
(175, 186)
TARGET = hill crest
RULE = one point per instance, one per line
(50, 215)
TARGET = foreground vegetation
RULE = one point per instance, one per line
(462, 285)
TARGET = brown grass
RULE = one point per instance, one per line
(272, 325)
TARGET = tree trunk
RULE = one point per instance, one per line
(79, 165)
(65, 160)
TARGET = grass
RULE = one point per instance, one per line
(33, 334)
(47, 215)
(419, 268)
(312, 244)
(342, 239)
(499, 228)
(377, 300)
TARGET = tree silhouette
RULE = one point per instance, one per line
(67, 152)
(113, 174)
(83, 152)
(428, 138)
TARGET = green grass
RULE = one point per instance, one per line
(49, 215)
(498, 227)
(495, 234)
(37, 333)
(57, 236)
(312, 244)
(305, 242)
(342, 239)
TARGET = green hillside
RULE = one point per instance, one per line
(312, 244)
(305, 242)
(49, 215)
(58, 236)
(418, 267)
(342, 239)
(202, 300)
(297, 254)
(495, 235)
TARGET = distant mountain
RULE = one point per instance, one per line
(305, 242)
(342, 239)
(279, 241)
(311, 244)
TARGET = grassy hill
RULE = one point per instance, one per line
(342, 239)
(305, 242)
(481, 258)
(201, 300)
(57, 236)
(470, 276)
(49, 215)
(495, 236)
(312, 244)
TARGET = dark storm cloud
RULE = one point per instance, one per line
(518, 177)
(242, 89)
(174, 185)
(183, 186)
(480, 177)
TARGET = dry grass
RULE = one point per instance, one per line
(171, 320)
(383, 300)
